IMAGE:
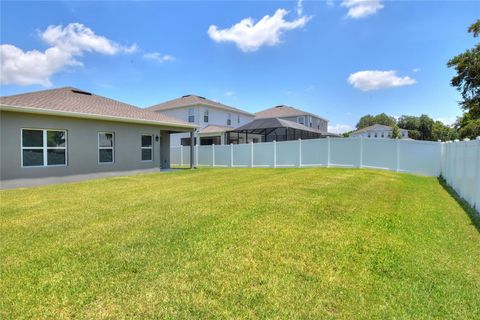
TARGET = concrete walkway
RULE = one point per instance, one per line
(34, 182)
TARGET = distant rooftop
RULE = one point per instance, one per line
(376, 127)
(284, 111)
(193, 100)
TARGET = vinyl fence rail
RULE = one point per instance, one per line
(458, 162)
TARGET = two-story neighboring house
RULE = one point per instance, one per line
(378, 131)
(295, 115)
(214, 118)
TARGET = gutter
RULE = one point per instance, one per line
(5, 107)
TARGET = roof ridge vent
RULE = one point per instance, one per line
(81, 92)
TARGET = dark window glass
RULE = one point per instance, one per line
(191, 118)
(32, 157)
(146, 141)
(146, 154)
(105, 140)
(55, 139)
(32, 138)
(55, 157)
(105, 155)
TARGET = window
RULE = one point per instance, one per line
(106, 144)
(44, 147)
(207, 141)
(318, 124)
(310, 123)
(238, 119)
(147, 148)
(205, 116)
(191, 115)
(229, 119)
(301, 119)
(186, 141)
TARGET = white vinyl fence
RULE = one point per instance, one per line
(421, 157)
(458, 162)
(461, 169)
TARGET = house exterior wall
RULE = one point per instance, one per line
(215, 117)
(82, 145)
(315, 122)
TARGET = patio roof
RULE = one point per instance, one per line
(271, 123)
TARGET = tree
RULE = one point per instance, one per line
(471, 130)
(370, 120)
(365, 121)
(408, 122)
(425, 127)
(443, 132)
(467, 80)
(396, 132)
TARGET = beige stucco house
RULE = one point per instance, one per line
(68, 131)
(213, 118)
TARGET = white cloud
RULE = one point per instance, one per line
(229, 93)
(250, 36)
(35, 67)
(310, 88)
(417, 70)
(362, 8)
(340, 128)
(158, 57)
(377, 80)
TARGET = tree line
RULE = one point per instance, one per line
(419, 128)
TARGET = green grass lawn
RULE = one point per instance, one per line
(239, 243)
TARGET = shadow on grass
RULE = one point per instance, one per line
(471, 212)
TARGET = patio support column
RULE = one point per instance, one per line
(191, 150)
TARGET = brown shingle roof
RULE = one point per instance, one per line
(74, 101)
(284, 111)
(193, 100)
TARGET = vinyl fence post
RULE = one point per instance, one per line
(360, 163)
(397, 166)
(464, 170)
(328, 152)
(231, 155)
(251, 154)
(213, 155)
(196, 155)
(299, 153)
(181, 156)
(274, 153)
(476, 194)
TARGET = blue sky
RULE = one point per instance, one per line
(338, 59)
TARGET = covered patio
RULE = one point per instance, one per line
(273, 129)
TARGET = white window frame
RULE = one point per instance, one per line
(229, 119)
(238, 118)
(303, 120)
(103, 148)
(191, 113)
(142, 147)
(206, 114)
(44, 148)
